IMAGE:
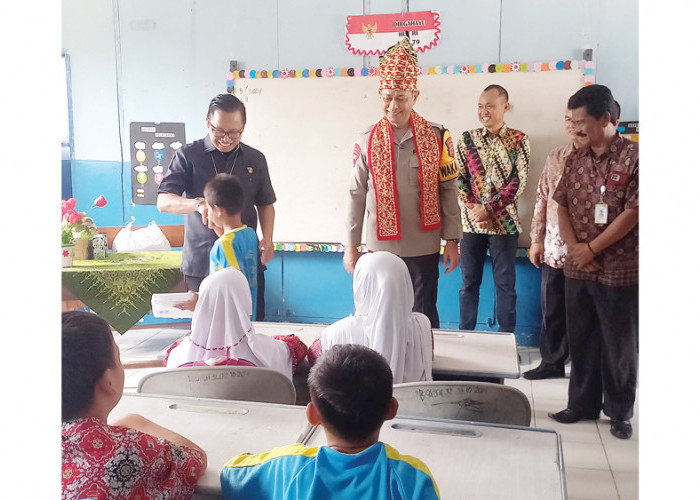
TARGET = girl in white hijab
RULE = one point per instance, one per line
(222, 332)
(384, 320)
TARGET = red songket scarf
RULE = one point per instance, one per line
(382, 168)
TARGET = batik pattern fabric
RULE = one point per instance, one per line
(398, 67)
(297, 471)
(297, 349)
(435, 165)
(493, 172)
(103, 462)
(545, 220)
(579, 190)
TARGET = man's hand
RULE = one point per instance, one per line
(189, 304)
(450, 258)
(580, 255)
(204, 212)
(350, 258)
(536, 254)
(478, 212)
(267, 250)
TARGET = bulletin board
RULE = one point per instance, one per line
(306, 122)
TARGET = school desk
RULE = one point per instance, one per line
(222, 428)
(459, 354)
(474, 460)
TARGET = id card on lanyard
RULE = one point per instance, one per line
(601, 209)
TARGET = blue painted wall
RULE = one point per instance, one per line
(162, 60)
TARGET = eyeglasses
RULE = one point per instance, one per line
(220, 134)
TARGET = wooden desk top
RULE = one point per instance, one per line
(457, 352)
(473, 460)
(222, 428)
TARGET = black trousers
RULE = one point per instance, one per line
(602, 325)
(424, 271)
(193, 283)
(554, 344)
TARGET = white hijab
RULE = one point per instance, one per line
(221, 327)
(383, 319)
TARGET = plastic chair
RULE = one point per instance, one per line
(460, 400)
(243, 383)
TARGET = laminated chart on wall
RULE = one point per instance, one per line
(152, 146)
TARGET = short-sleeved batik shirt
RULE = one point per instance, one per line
(579, 189)
(101, 461)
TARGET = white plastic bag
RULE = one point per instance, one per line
(146, 239)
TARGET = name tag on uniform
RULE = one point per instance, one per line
(619, 177)
(601, 213)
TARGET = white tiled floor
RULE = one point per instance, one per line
(598, 465)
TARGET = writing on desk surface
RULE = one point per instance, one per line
(442, 392)
(216, 376)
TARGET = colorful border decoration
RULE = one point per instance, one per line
(330, 72)
(339, 248)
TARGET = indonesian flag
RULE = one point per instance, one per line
(373, 34)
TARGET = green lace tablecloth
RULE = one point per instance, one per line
(119, 288)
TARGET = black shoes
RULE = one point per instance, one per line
(569, 416)
(621, 429)
(544, 371)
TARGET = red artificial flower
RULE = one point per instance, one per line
(100, 201)
(66, 253)
(70, 204)
(73, 216)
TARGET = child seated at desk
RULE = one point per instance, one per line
(237, 245)
(383, 319)
(133, 457)
(222, 333)
(351, 397)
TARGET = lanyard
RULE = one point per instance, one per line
(235, 158)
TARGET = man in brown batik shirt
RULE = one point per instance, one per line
(598, 198)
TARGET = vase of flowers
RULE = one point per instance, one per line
(77, 231)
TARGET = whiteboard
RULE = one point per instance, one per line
(307, 127)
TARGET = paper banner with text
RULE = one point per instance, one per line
(373, 34)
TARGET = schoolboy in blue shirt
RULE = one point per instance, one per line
(237, 245)
(350, 387)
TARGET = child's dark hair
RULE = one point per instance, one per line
(351, 386)
(86, 352)
(226, 192)
(597, 99)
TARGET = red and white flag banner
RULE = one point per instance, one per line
(374, 34)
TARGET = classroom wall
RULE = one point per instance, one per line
(163, 60)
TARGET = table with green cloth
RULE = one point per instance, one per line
(119, 288)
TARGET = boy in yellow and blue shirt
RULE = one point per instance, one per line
(237, 245)
(351, 396)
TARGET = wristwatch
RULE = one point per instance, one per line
(198, 201)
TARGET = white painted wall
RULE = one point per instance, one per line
(174, 54)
